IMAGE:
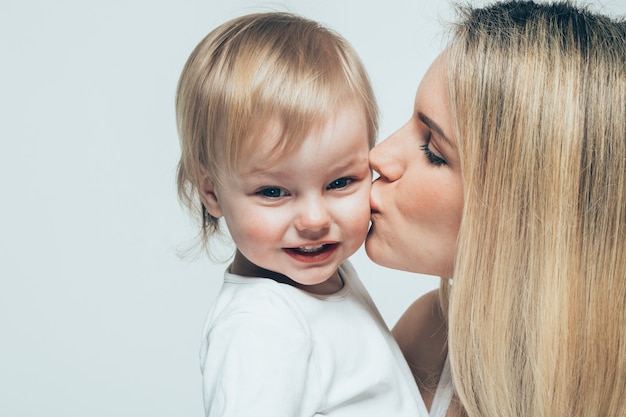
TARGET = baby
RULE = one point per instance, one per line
(276, 117)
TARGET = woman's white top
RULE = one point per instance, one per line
(443, 395)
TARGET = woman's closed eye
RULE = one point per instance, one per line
(432, 157)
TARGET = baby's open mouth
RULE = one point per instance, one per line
(310, 249)
(313, 249)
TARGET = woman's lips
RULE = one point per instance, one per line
(373, 205)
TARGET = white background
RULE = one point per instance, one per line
(98, 316)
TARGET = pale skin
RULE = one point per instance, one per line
(417, 200)
(417, 206)
(421, 333)
(296, 218)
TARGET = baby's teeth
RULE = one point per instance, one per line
(311, 248)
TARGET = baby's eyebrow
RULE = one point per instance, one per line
(434, 127)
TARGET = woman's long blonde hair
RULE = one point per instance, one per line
(537, 311)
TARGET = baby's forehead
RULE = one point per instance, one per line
(267, 147)
(273, 139)
(270, 139)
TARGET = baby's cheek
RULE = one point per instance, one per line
(253, 229)
(360, 217)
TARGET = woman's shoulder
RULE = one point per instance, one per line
(421, 333)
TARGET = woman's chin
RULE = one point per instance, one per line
(377, 252)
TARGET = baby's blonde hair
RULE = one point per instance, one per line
(253, 70)
(537, 311)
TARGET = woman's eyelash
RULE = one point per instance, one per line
(432, 158)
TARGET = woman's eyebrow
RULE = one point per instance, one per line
(434, 127)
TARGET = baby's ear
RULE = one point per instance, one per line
(208, 196)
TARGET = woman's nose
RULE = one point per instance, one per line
(385, 159)
(312, 215)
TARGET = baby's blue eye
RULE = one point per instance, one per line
(339, 183)
(272, 192)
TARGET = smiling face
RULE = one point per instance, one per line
(417, 201)
(302, 214)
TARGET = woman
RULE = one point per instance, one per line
(511, 178)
